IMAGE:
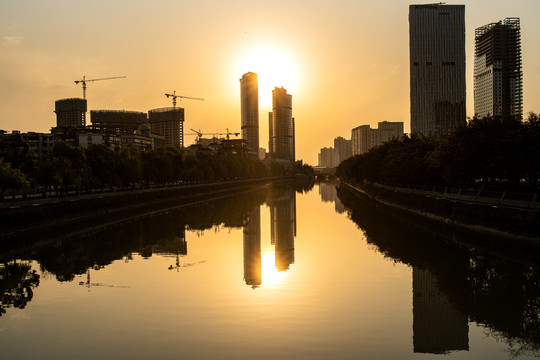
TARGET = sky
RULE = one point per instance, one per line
(345, 62)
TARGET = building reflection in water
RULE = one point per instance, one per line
(328, 193)
(283, 227)
(437, 327)
(282, 206)
(252, 248)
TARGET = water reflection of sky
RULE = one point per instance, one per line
(295, 280)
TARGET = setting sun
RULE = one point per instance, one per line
(274, 67)
(270, 275)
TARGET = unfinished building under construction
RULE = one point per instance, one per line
(168, 122)
(70, 112)
(117, 121)
(498, 84)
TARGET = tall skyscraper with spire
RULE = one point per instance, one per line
(437, 68)
(498, 88)
(249, 111)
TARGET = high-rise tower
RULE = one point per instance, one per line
(281, 126)
(498, 89)
(437, 67)
(249, 109)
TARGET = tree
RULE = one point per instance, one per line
(128, 167)
(70, 161)
(14, 150)
(11, 179)
(100, 160)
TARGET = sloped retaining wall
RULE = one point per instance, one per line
(488, 219)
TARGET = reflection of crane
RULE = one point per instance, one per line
(174, 97)
(84, 80)
(227, 134)
(89, 284)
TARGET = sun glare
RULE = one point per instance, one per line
(274, 67)
(270, 275)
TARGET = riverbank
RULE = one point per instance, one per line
(69, 216)
(517, 224)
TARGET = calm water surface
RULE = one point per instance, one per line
(275, 273)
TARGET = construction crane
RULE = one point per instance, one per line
(85, 80)
(174, 97)
(227, 134)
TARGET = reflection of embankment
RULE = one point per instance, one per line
(159, 233)
(68, 218)
(499, 292)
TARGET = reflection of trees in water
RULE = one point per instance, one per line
(17, 281)
(497, 291)
(163, 233)
(304, 185)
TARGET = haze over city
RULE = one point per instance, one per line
(345, 63)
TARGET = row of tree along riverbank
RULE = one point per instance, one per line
(488, 153)
(516, 223)
(67, 216)
(68, 168)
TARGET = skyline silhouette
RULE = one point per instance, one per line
(358, 65)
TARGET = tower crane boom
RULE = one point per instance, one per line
(85, 80)
(174, 97)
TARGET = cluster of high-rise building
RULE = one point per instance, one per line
(165, 127)
(330, 157)
(438, 77)
(363, 138)
(112, 128)
(437, 69)
(281, 132)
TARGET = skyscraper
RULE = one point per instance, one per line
(437, 67)
(281, 126)
(498, 89)
(249, 111)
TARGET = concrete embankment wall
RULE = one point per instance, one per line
(487, 219)
(71, 215)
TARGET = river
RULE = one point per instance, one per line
(275, 273)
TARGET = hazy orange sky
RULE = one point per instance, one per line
(345, 62)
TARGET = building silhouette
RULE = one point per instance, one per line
(70, 112)
(342, 148)
(327, 157)
(363, 137)
(281, 127)
(252, 248)
(437, 68)
(168, 122)
(438, 328)
(328, 193)
(249, 111)
(121, 122)
(498, 88)
(283, 226)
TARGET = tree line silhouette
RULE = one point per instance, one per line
(496, 153)
(68, 167)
